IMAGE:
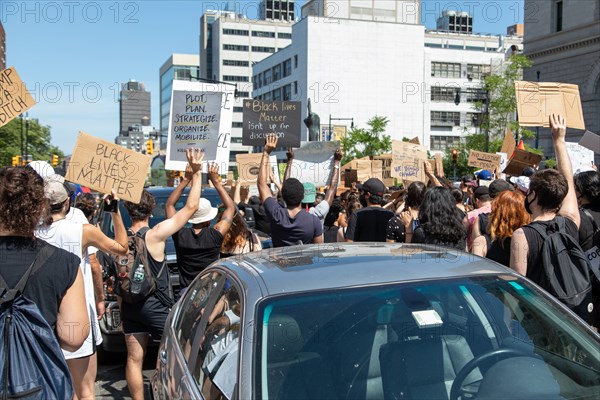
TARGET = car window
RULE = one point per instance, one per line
(216, 369)
(192, 308)
(468, 336)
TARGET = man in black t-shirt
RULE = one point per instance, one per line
(551, 194)
(369, 224)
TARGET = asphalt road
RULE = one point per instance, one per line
(110, 381)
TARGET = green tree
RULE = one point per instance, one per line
(361, 142)
(158, 177)
(40, 141)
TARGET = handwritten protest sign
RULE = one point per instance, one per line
(582, 159)
(521, 159)
(503, 161)
(386, 172)
(201, 116)
(537, 100)
(591, 141)
(264, 117)
(439, 165)
(313, 162)
(480, 159)
(102, 166)
(407, 161)
(14, 97)
(414, 140)
(509, 144)
(248, 165)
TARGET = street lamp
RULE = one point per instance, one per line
(340, 119)
(479, 92)
(537, 129)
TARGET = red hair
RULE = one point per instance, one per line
(508, 215)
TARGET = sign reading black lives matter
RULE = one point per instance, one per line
(201, 115)
(279, 117)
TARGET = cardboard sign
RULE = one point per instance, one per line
(407, 161)
(201, 115)
(537, 100)
(350, 177)
(503, 161)
(337, 133)
(364, 169)
(264, 117)
(248, 165)
(102, 166)
(509, 144)
(521, 159)
(480, 159)
(386, 172)
(439, 165)
(591, 141)
(582, 158)
(14, 97)
(313, 162)
(414, 140)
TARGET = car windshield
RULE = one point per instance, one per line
(487, 337)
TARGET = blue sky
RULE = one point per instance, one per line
(73, 55)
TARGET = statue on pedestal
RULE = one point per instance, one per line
(313, 123)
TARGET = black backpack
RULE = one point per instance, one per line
(483, 221)
(135, 280)
(595, 240)
(566, 273)
(33, 365)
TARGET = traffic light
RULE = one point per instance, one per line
(16, 161)
(454, 156)
(54, 160)
(149, 147)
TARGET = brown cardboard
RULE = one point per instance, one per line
(509, 145)
(363, 168)
(590, 141)
(14, 96)
(439, 165)
(248, 165)
(521, 160)
(407, 161)
(386, 173)
(350, 177)
(377, 169)
(414, 140)
(480, 159)
(432, 165)
(537, 100)
(102, 166)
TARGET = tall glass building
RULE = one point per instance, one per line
(183, 67)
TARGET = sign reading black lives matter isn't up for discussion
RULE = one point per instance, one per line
(201, 115)
(14, 97)
(279, 117)
(102, 166)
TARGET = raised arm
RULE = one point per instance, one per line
(93, 236)
(227, 217)
(334, 178)
(237, 196)
(170, 209)
(430, 174)
(569, 207)
(288, 164)
(263, 171)
(166, 228)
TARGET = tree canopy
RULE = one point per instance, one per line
(361, 142)
(13, 136)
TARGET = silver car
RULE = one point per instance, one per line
(372, 321)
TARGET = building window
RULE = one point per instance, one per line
(268, 77)
(235, 47)
(473, 119)
(441, 143)
(276, 72)
(287, 92)
(476, 71)
(236, 139)
(237, 124)
(475, 96)
(235, 78)
(262, 49)
(268, 96)
(236, 63)
(296, 61)
(238, 109)
(442, 93)
(445, 70)
(277, 94)
(445, 118)
(296, 87)
(283, 35)
(287, 67)
(263, 34)
(238, 32)
(559, 16)
(242, 94)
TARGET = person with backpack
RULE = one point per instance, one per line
(42, 297)
(546, 250)
(77, 238)
(148, 316)
(587, 189)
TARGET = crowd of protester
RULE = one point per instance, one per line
(497, 221)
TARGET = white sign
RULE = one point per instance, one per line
(201, 116)
(582, 159)
(313, 162)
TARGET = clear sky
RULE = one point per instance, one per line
(73, 55)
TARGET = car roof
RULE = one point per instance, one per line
(338, 265)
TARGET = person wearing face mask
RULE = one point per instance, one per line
(369, 224)
(551, 196)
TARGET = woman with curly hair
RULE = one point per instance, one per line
(440, 221)
(239, 239)
(508, 214)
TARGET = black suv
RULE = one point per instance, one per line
(110, 324)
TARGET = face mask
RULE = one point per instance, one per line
(528, 203)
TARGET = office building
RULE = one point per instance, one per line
(278, 10)
(2, 47)
(184, 67)
(516, 30)
(563, 43)
(399, 11)
(455, 22)
(134, 104)
(230, 44)
(137, 135)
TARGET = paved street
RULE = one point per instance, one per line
(110, 383)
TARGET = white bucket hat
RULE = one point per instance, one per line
(206, 212)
